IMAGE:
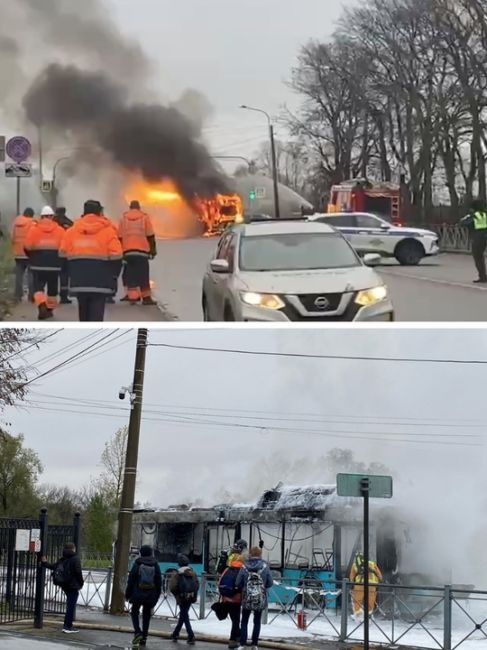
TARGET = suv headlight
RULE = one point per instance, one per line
(268, 300)
(371, 296)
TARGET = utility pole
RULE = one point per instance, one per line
(124, 532)
(275, 178)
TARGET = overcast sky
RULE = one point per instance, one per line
(233, 51)
(190, 458)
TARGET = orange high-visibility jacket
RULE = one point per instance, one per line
(42, 245)
(135, 232)
(94, 254)
(20, 230)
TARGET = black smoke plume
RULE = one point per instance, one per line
(153, 140)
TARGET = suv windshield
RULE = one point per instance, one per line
(296, 252)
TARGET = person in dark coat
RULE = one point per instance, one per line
(258, 568)
(143, 590)
(74, 582)
(184, 576)
(65, 222)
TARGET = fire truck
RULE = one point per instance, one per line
(360, 195)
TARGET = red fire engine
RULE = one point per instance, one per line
(359, 195)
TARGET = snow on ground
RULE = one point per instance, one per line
(327, 625)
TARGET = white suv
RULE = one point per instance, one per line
(370, 234)
(292, 271)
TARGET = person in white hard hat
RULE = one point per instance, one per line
(42, 248)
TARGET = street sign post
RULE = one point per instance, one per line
(2, 148)
(18, 170)
(19, 149)
(260, 193)
(366, 486)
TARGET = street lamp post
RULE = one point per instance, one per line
(249, 163)
(277, 209)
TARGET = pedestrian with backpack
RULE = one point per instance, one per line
(68, 576)
(231, 596)
(143, 590)
(254, 579)
(184, 587)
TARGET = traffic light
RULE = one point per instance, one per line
(252, 195)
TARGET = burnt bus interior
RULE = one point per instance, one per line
(319, 540)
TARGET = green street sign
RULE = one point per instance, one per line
(351, 485)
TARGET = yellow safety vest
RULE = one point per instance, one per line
(480, 220)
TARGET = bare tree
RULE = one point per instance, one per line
(113, 462)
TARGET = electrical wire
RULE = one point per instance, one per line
(69, 360)
(372, 436)
(295, 355)
(32, 345)
(301, 416)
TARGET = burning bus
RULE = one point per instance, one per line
(176, 217)
(306, 533)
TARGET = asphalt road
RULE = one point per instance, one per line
(440, 289)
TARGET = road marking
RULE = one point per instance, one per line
(447, 283)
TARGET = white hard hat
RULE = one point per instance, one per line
(47, 211)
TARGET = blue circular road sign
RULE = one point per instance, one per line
(18, 149)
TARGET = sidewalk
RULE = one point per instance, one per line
(98, 629)
(119, 312)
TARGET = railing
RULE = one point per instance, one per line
(453, 238)
(443, 618)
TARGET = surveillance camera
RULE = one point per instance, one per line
(121, 393)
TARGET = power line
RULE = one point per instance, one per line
(371, 436)
(450, 422)
(317, 356)
(70, 359)
(32, 345)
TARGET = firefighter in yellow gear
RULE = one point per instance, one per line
(357, 574)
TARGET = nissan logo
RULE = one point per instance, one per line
(321, 303)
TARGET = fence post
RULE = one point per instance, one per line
(108, 590)
(202, 597)
(447, 618)
(77, 530)
(344, 612)
(40, 573)
(265, 615)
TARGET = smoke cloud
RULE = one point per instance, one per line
(89, 87)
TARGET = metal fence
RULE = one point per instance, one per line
(17, 572)
(453, 238)
(443, 618)
(26, 589)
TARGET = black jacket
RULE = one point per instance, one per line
(73, 569)
(145, 597)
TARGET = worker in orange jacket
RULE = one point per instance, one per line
(20, 229)
(138, 239)
(94, 256)
(42, 248)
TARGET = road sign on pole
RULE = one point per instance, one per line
(260, 193)
(350, 485)
(14, 170)
(365, 486)
(19, 149)
(2, 148)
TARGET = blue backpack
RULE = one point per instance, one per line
(226, 586)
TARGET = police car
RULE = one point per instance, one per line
(369, 233)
